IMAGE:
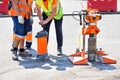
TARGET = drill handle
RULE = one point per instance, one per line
(80, 19)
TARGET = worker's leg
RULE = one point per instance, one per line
(17, 37)
(47, 26)
(28, 37)
(18, 41)
(22, 51)
(59, 35)
(28, 43)
(15, 49)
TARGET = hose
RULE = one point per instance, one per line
(75, 13)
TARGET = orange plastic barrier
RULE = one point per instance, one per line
(42, 42)
(42, 45)
(4, 7)
(103, 5)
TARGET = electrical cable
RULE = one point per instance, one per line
(76, 13)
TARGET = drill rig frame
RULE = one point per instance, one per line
(90, 18)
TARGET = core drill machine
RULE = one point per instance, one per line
(89, 18)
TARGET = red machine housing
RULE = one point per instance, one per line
(4, 7)
(103, 5)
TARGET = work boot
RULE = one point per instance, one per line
(27, 48)
(59, 51)
(25, 54)
(14, 55)
(28, 45)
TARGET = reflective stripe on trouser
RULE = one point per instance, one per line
(17, 37)
(28, 37)
(28, 40)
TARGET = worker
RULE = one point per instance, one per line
(21, 14)
(52, 10)
(28, 38)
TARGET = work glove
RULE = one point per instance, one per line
(20, 19)
(31, 20)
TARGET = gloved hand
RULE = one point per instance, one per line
(31, 20)
(20, 20)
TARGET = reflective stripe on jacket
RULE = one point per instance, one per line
(24, 8)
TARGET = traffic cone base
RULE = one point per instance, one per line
(107, 60)
(76, 54)
(77, 60)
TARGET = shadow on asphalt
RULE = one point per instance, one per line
(102, 66)
(60, 63)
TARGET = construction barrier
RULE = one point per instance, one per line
(3, 6)
(103, 5)
(42, 42)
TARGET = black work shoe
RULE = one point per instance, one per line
(25, 54)
(59, 51)
(14, 55)
(27, 48)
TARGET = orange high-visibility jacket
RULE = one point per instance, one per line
(24, 8)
